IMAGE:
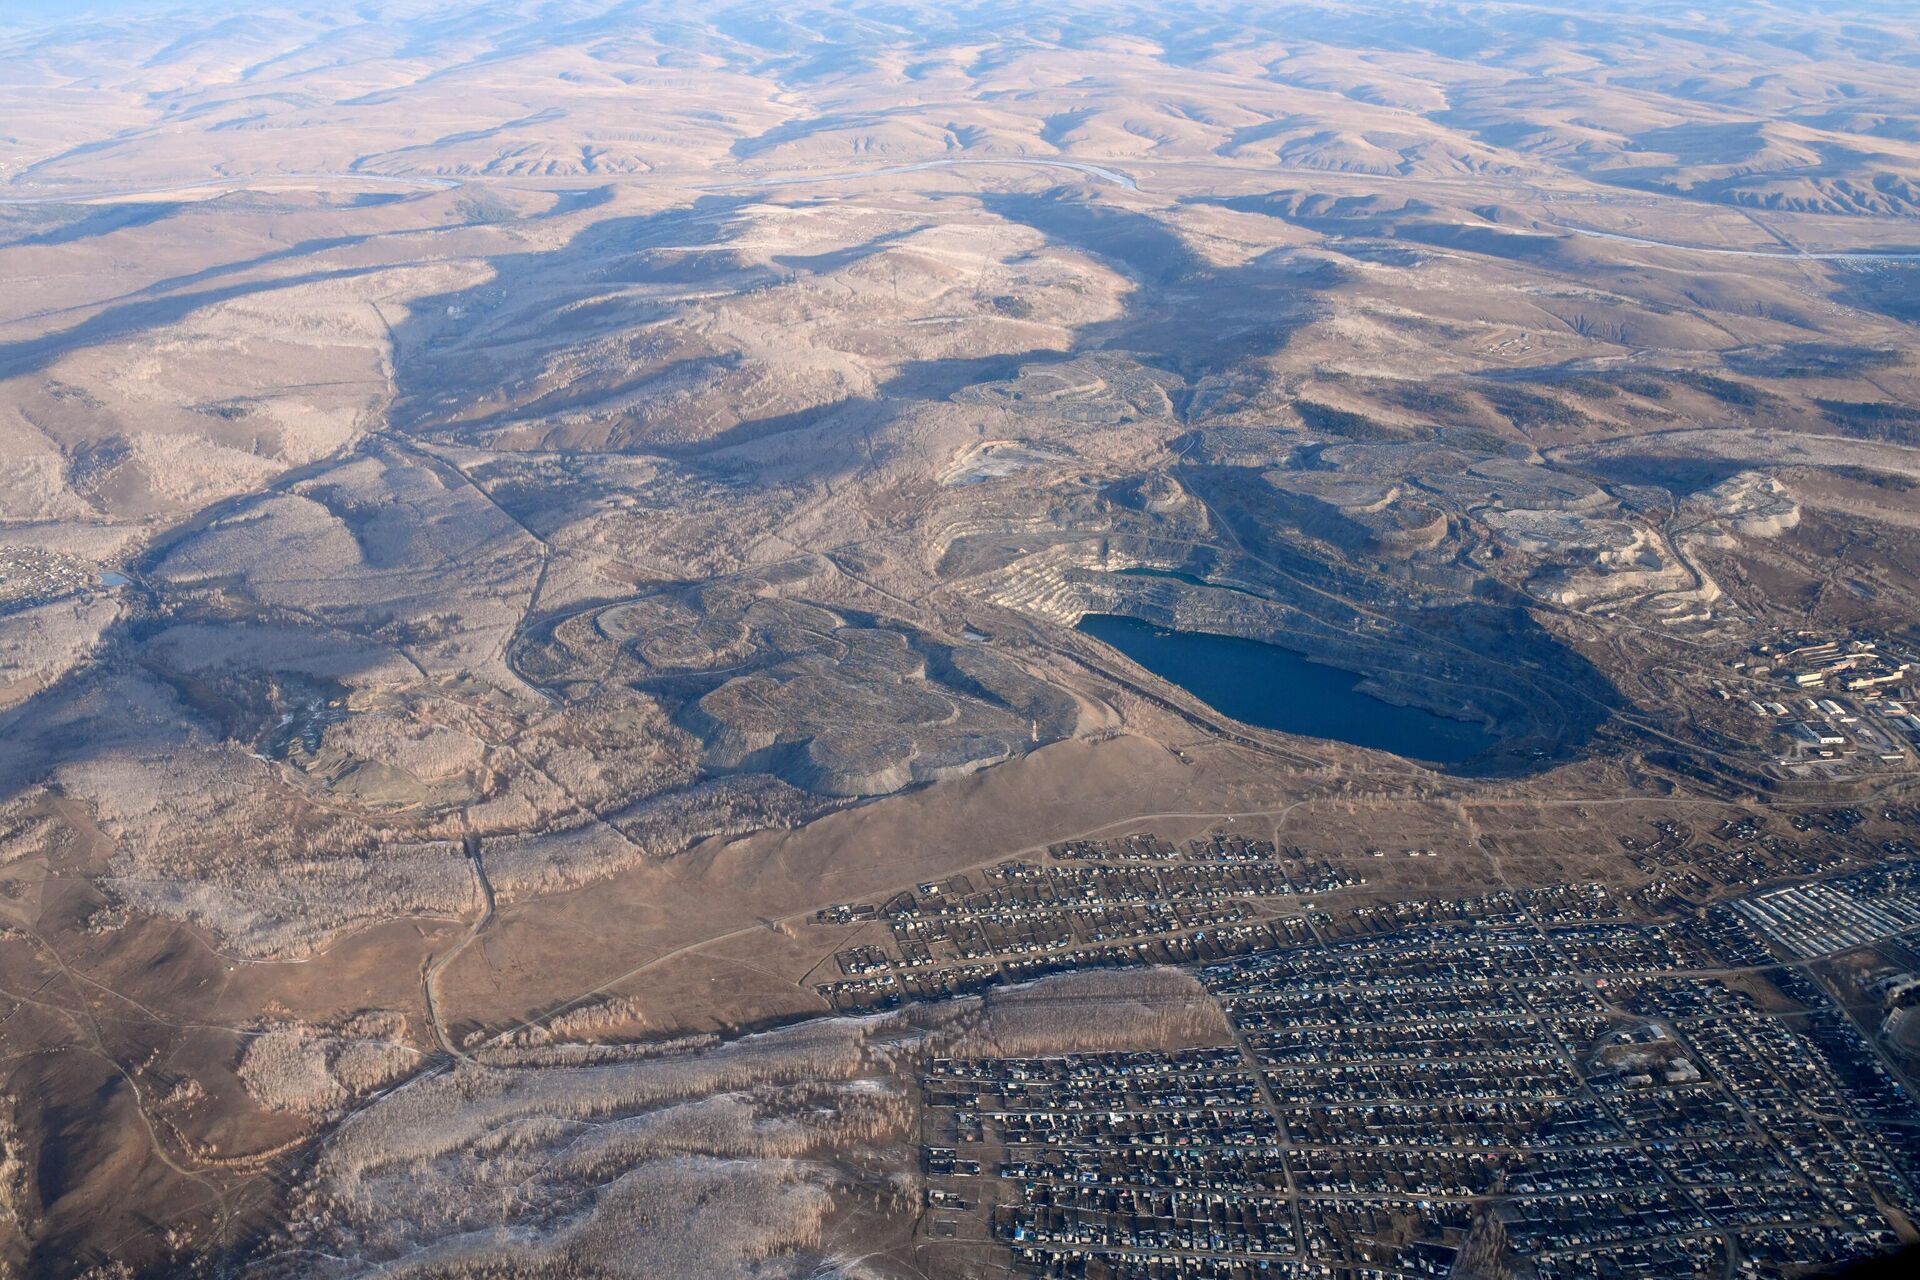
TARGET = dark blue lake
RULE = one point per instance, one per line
(1275, 688)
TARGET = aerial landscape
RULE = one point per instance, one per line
(1090, 639)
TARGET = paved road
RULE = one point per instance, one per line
(1784, 254)
(235, 184)
(1114, 176)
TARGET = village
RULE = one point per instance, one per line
(1700, 1066)
(1585, 1098)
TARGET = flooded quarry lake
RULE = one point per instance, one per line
(1274, 688)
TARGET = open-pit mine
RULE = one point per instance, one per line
(1092, 639)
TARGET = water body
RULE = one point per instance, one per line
(1275, 688)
